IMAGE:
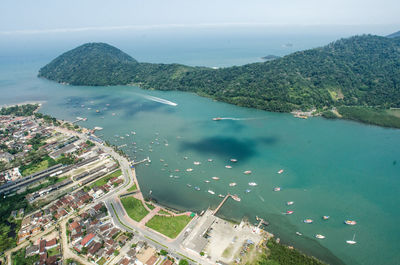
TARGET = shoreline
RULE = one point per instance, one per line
(39, 103)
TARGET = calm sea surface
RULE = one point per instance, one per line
(338, 168)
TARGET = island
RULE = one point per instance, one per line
(355, 78)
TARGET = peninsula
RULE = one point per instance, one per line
(355, 78)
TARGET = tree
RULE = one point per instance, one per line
(163, 252)
(183, 262)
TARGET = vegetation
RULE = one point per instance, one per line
(18, 258)
(133, 187)
(183, 262)
(357, 71)
(105, 179)
(370, 115)
(169, 226)
(278, 254)
(134, 208)
(23, 110)
(151, 206)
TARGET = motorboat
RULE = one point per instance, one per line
(217, 119)
(189, 185)
(253, 184)
(236, 198)
(277, 188)
(248, 190)
(290, 203)
(209, 160)
(196, 163)
(211, 192)
(325, 217)
(228, 166)
(289, 212)
(207, 181)
(308, 221)
(280, 171)
(232, 184)
(319, 236)
(233, 160)
(221, 196)
(352, 242)
(299, 234)
(350, 222)
(247, 172)
(215, 178)
(197, 188)
(189, 169)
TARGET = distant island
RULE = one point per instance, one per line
(355, 78)
(270, 57)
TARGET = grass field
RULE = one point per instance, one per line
(105, 179)
(169, 226)
(101, 261)
(133, 188)
(53, 251)
(36, 168)
(164, 212)
(151, 207)
(134, 208)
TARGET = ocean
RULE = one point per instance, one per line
(338, 168)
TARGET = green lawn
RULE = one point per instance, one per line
(101, 261)
(151, 207)
(134, 208)
(164, 212)
(36, 168)
(53, 251)
(105, 179)
(133, 188)
(169, 226)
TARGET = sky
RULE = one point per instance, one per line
(38, 16)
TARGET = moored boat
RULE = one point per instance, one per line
(277, 188)
(319, 236)
(207, 181)
(253, 184)
(248, 190)
(299, 234)
(289, 212)
(228, 166)
(290, 203)
(232, 184)
(209, 160)
(233, 160)
(308, 221)
(280, 171)
(189, 169)
(236, 198)
(211, 192)
(352, 242)
(325, 217)
(197, 188)
(196, 163)
(221, 196)
(350, 222)
(189, 185)
(215, 178)
(247, 172)
(217, 119)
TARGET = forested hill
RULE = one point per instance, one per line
(394, 35)
(361, 70)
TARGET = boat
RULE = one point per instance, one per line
(352, 242)
(319, 236)
(277, 188)
(289, 212)
(189, 169)
(247, 172)
(236, 198)
(162, 160)
(308, 221)
(299, 234)
(215, 178)
(209, 160)
(350, 222)
(232, 184)
(253, 184)
(196, 163)
(207, 181)
(233, 160)
(221, 196)
(217, 119)
(189, 185)
(228, 166)
(197, 188)
(290, 203)
(248, 190)
(97, 111)
(186, 158)
(325, 217)
(280, 171)
(211, 192)
(176, 170)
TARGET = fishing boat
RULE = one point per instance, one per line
(319, 236)
(253, 184)
(162, 160)
(290, 203)
(248, 190)
(277, 188)
(228, 166)
(236, 198)
(350, 222)
(196, 163)
(211, 192)
(209, 160)
(207, 181)
(233, 160)
(308, 221)
(176, 170)
(280, 171)
(189, 185)
(289, 212)
(197, 188)
(215, 178)
(247, 172)
(299, 234)
(97, 111)
(325, 217)
(221, 196)
(217, 119)
(189, 169)
(352, 242)
(232, 184)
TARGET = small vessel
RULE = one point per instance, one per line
(215, 178)
(280, 171)
(211, 192)
(308, 221)
(209, 160)
(277, 188)
(186, 158)
(248, 190)
(350, 222)
(352, 242)
(217, 119)
(233, 160)
(299, 234)
(221, 196)
(207, 181)
(236, 198)
(290, 203)
(189, 185)
(197, 188)
(319, 236)
(325, 217)
(196, 163)
(228, 166)
(162, 160)
(176, 170)
(247, 172)
(232, 184)
(289, 212)
(253, 184)
(189, 169)
(97, 111)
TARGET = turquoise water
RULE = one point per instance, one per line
(338, 168)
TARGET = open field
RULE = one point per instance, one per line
(169, 226)
(105, 179)
(134, 208)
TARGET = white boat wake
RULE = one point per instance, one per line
(241, 119)
(160, 100)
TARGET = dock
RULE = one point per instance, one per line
(134, 163)
(221, 203)
(261, 222)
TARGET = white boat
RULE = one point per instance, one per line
(196, 163)
(228, 166)
(236, 198)
(215, 178)
(247, 172)
(299, 234)
(233, 160)
(352, 242)
(221, 196)
(211, 192)
(189, 169)
(209, 160)
(232, 184)
(248, 190)
(289, 212)
(319, 236)
(290, 203)
(350, 222)
(308, 221)
(280, 171)
(253, 184)
(207, 181)
(325, 217)
(277, 188)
